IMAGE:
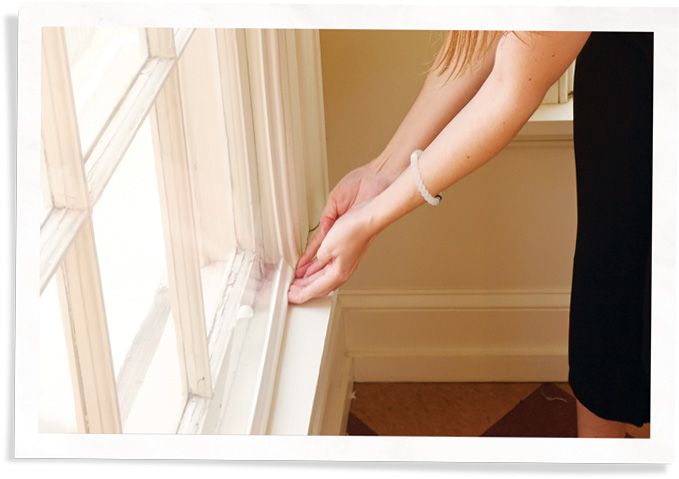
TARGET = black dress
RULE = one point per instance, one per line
(609, 333)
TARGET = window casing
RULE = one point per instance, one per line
(236, 192)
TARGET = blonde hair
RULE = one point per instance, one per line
(462, 48)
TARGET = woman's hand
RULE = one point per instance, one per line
(338, 255)
(359, 185)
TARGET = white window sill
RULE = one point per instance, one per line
(549, 123)
(304, 343)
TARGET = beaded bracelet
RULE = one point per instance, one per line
(432, 200)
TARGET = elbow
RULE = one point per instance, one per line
(521, 94)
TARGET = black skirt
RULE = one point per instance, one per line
(609, 332)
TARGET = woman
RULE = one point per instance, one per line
(482, 89)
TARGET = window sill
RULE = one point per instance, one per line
(549, 123)
(304, 344)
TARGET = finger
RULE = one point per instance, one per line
(309, 253)
(322, 258)
(326, 223)
(330, 214)
(328, 281)
(314, 267)
(306, 280)
(328, 217)
(316, 264)
(331, 209)
(306, 263)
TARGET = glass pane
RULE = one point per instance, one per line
(130, 245)
(160, 401)
(128, 231)
(56, 404)
(103, 61)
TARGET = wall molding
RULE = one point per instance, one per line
(453, 299)
(550, 125)
(456, 335)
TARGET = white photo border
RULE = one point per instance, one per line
(29, 443)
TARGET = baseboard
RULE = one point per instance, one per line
(498, 335)
(456, 366)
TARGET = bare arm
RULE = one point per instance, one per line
(525, 67)
(437, 102)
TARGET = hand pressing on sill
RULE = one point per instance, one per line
(358, 186)
(338, 255)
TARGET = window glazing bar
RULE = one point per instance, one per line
(78, 279)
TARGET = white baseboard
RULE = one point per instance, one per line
(454, 366)
(413, 336)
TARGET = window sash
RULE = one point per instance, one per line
(260, 78)
(177, 210)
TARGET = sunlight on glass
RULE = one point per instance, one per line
(103, 62)
(56, 405)
(129, 235)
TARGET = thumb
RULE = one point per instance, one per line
(329, 213)
(326, 223)
(323, 257)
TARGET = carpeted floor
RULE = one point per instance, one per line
(466, 409)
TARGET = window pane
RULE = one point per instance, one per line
(130, 246)
(160, 401)
(56, 404)
(129, 235)
(103, 62)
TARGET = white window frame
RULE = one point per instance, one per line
(265, 78)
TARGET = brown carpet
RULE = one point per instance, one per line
(356, 427)
(467, 409)
(548, 412)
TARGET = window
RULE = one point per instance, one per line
(179, 185)
(562, 91)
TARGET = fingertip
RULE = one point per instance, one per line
(300, 272)
(311, 270)
(292, 297)
(295, 294)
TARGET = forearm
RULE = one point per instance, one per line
(474, 136)
(438, 102)
(524, 68)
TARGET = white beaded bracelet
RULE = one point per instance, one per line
(432, 200)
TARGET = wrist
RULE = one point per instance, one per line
(388, 166)
(370, 217)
